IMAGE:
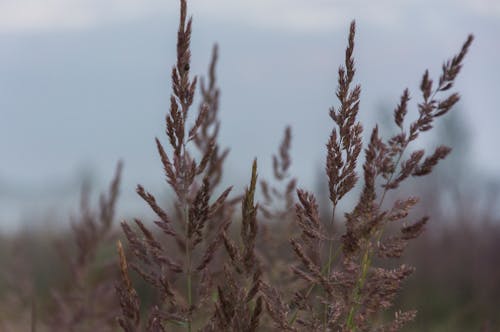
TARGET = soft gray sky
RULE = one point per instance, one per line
(84, 83)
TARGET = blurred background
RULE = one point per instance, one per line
(84, 83)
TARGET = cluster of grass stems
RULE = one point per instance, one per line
(213, 260)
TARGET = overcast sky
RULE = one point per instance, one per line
(320, 15)
(84, 83)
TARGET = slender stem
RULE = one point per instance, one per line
(325, 270)
(188, 243)
(367, 256)
(361, 282)
(329, 263)
(330, 251)
(311, 288)
(189, 276)
(391, 176)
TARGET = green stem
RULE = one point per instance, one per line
(361, 282)
(311, 288)
(367, 256)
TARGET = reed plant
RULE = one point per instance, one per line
(215, 260)
(206, 278)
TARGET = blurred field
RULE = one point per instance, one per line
(455, 286)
